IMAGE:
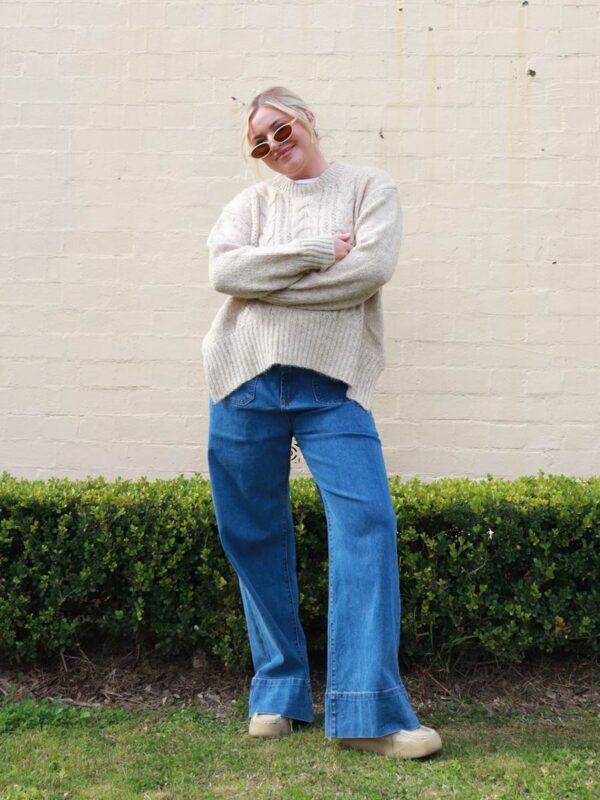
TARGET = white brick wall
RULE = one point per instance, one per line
(119, 144)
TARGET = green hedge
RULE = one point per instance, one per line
(488, 568)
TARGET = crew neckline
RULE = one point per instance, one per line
(303, 180)
(326, 178)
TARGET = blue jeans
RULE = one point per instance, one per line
(250, 434)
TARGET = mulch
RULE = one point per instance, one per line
(124, 676)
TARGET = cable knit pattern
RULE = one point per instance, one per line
(289, 301)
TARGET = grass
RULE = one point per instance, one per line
(53, 751)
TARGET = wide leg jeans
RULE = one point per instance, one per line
(250, 433)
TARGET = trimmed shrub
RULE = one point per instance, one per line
(493, 568)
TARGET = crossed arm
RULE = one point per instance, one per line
(304, 273)
(240, 269)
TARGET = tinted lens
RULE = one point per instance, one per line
(283, 133)
(260, 151)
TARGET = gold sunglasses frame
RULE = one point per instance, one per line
(272, 136)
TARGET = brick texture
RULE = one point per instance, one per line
(119, 144)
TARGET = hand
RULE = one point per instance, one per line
(342, 245)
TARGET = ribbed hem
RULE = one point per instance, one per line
(321, 343)
(368, 374)
(329, 343)
(328, 177)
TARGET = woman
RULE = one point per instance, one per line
(296, 350)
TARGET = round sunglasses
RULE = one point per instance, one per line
(281, 134)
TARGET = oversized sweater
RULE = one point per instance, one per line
(289, 301)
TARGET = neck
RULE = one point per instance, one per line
(327, 178)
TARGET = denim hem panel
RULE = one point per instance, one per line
(357, 715)
(290, 697)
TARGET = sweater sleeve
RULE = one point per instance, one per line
(236, 267)
(368, 266)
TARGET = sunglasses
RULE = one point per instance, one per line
(281, 134)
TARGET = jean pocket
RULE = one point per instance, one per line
(328, 390)
(243, 394)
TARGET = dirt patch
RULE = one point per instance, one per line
(117, 675)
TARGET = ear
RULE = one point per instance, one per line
(311, 117)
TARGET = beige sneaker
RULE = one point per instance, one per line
(402, 744)
(269, 725)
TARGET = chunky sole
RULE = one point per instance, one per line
(402, 744)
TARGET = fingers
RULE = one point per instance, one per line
(342, 245)
(343, 241)
(342, 248)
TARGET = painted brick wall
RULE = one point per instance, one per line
(119, 143)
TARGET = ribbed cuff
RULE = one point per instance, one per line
(319, 252)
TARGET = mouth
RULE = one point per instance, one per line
(283, 153)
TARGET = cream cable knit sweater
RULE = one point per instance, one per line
(272, 251)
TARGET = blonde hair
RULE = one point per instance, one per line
(284, 100)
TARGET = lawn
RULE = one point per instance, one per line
(50, 750)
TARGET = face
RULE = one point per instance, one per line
(293, 157)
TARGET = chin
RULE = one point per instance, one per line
(290, 163)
